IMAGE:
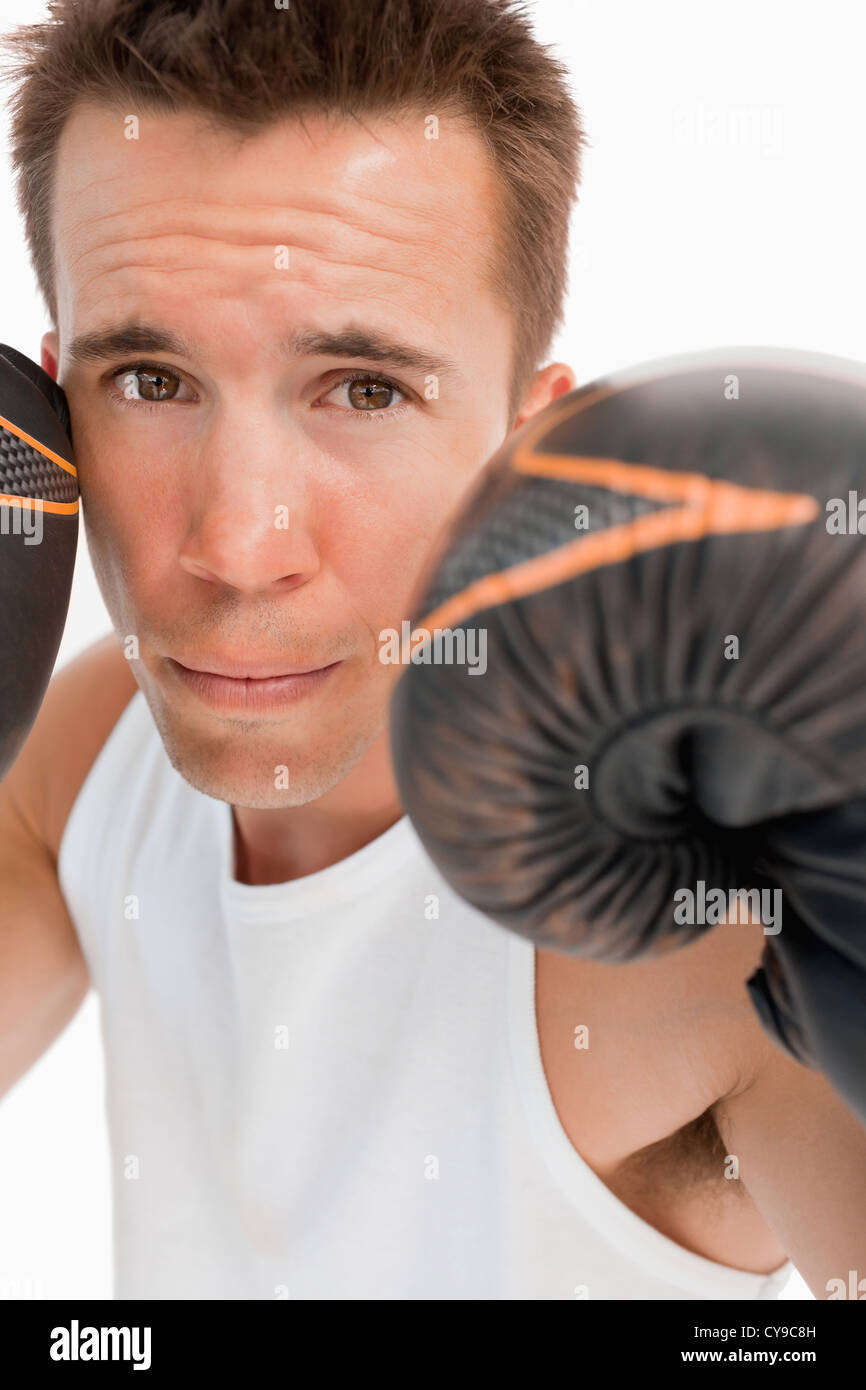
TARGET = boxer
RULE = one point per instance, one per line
(292, 317)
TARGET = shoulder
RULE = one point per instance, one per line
(83, 702)
(710, 1009)
(669, 1036)
(691, 1002)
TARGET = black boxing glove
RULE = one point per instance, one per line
(38, 539)
(675, 693)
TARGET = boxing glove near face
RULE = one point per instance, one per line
(669, 577)
(38, 539)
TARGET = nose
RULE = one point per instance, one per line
(251, 508)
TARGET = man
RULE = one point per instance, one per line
(302, 270)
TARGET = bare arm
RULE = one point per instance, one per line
(802, 1158)
(43, 975)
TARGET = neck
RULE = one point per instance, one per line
(274, 846)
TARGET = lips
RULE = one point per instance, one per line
(258, 695)
(246, 668)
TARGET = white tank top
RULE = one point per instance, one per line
(321, 1089)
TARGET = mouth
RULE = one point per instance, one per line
(250, 686)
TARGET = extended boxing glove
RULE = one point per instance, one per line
(38, 539)
(668, 568)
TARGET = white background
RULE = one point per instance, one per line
(722, 204)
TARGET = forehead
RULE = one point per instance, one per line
(309, 213)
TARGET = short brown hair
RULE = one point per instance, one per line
(247, 63)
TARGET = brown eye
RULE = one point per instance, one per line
(150, 384)
(369, 395)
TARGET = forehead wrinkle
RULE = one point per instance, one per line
(429, 230)
(273, 278)
(421, 244)
(315, 209)
(439, 214)
(306, 275)
(301, 273)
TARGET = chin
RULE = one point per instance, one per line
(258, 767)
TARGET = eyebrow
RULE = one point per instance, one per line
(103, 344)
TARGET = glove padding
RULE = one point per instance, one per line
(675, 692)
(37, 547)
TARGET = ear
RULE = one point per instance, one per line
(50, 354)
(547, 384)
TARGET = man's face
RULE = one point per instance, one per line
(241, 504)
